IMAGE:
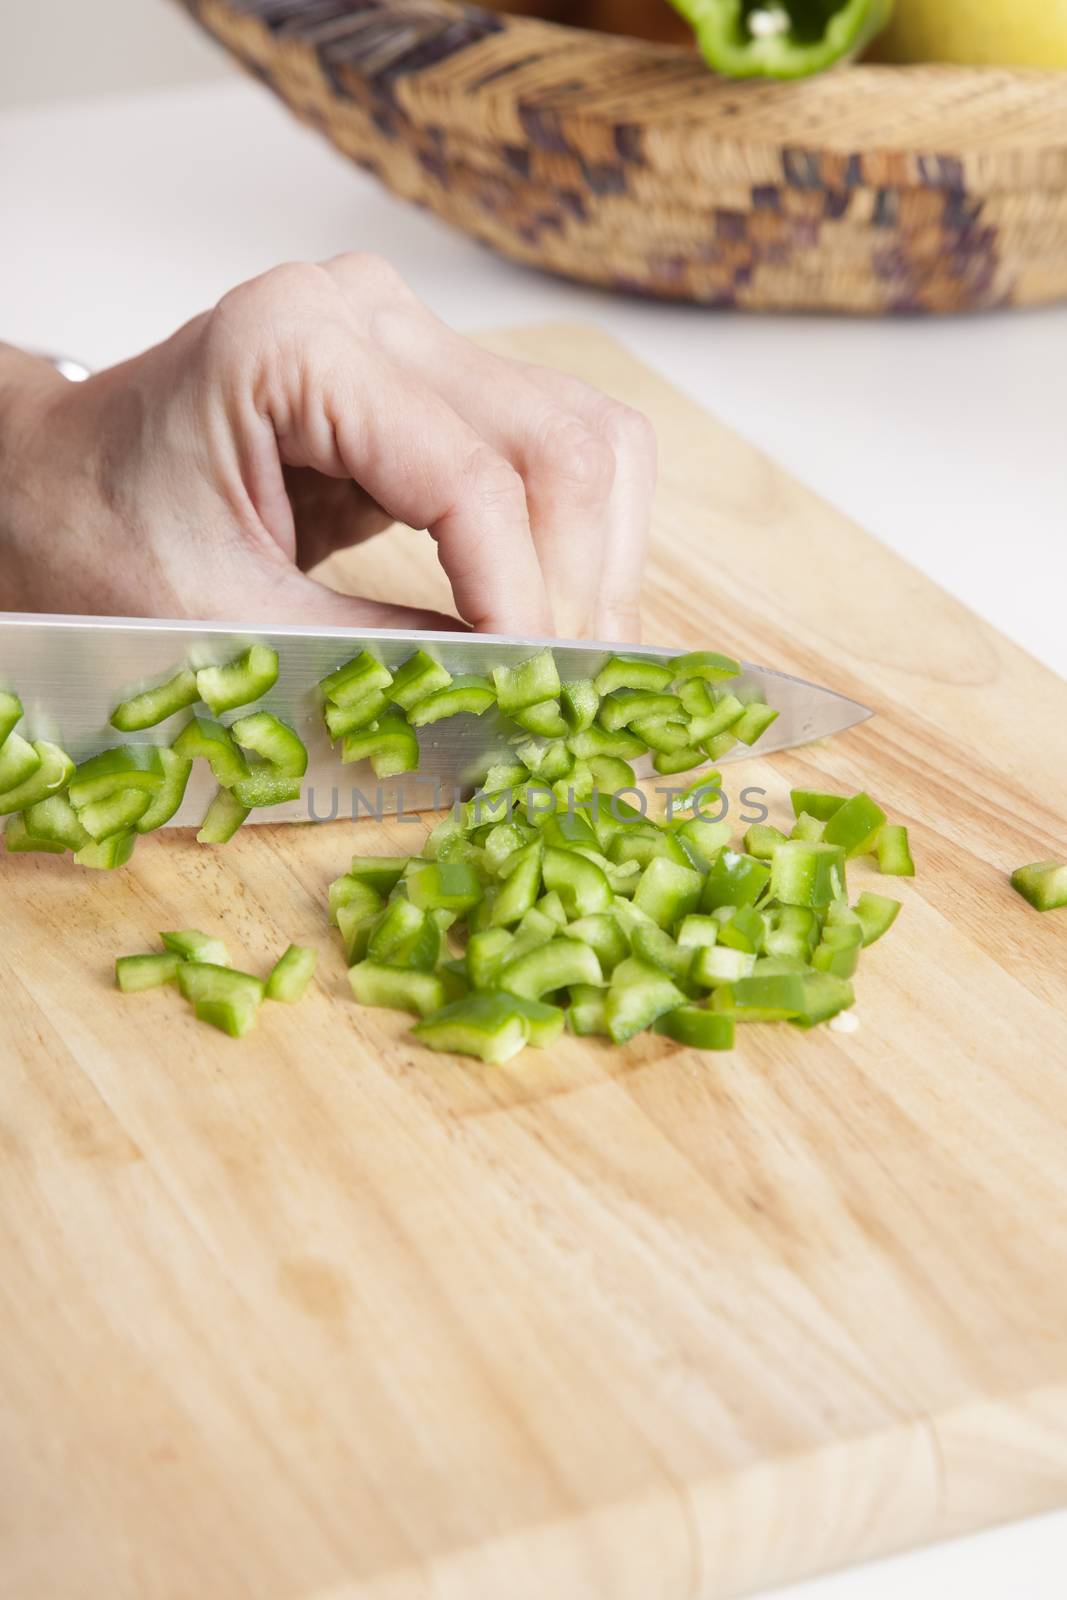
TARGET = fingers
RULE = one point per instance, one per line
(281, 591)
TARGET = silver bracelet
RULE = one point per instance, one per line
(66, 366)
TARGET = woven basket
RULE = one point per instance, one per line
(628, 164)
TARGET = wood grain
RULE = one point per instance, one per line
(318, 1315)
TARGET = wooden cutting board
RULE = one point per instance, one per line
(319, 1315)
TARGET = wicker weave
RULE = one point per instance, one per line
(628, 164)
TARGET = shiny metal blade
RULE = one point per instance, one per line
(72, 671)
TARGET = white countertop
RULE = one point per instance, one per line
(947, 439)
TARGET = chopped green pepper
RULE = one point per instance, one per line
(128, 766)
(201, 737)
(807, 873)
(450, 885)
(55, 819)
(655, 947)
(551, 966)
(762, 841)
(486, 1025)
(585, 1014)
(266, 787)
(876, 914)
(753, 722)
(102, 818)
(356, 679)
(663, 737)
(291, 974)
(1043, 884)
(638, 995)
(136, 973)
(397, 988)
(351, 890)
(239, 682)
(741, 928)
(855, 826)
(597, 741)
(698, 1028)
(825, 995)
(543, 718)
(359, 714)
(10, 712)
(724, 717)
(54, 771)
(734, 880)
(527, 684)
(683, 760)
(191, 945)
(580, 883)
(416, 678)
(222, 818)
(273, 740)
(708, 665)
(389, 744)
(668, 892)
(762, 997)
(164, 801)
(20, 841)
(521, 886)
(602, 933)
(894, 855)
(713, 965)
(405, 936)
(466, 694)
(807, 827)
(821, 806)
(632, 672)
(18, 761)
(156, 705)
(578, 703)
(781, 38)
(698, 932)
(109, 853)
(631, 705)
(222, 996)
(382, 873)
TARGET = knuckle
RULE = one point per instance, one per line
(378, 277)
(276, 287)
(571, 453)
(628, 431)
(493, 484)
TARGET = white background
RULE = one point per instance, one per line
(123, 214)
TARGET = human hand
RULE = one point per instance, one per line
(310, 408)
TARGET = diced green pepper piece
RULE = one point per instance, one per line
(658, 949)
(449, 885)
(18, 839)
(664, 737)
(762, 841)
(222, 818)
(543, 718)
(632, 672)
(10, 712)
(390, 745)
(551, 966)
(355, 891)
(18, 761)
(838, 951)
(762, 997)
(683, 760)
(274, 741)
(214, 744)
(891, 847)
(485, 955)
(54, 771)
(487, 1025)
(815, 804)
(808, 828)
(698, 1028)
(697, 699)
(102, 818)
(602, 933)
(164, 801)
(291, 974)
(521, 885)
(734, 880)
(235, 1017)
(719, 746)
(716, 964)
(725, 716)
(610, 775)
(355, 680)
(397, 988)
(792, 931)
(624, 706)
(153, 706)
(550, 905)
(1043, 884)
(382, 873)
(855, 826)
(781, 38)
(239, 682)
(358, 714)
(807, 874)
(527, 684)
(470, 695)
(639, 994)
(742, 928)
(355, 923)
(580, 883)
(668, 892)
(544, 1023)
(585, 1014)
(700, 791)
(420, 675)
(566, 829)
(597, 741)
(135, 973)
(698, 932)
(405, 936)
(705, 664)
(825, 995)
(877, 914)
(109, 853)
(753, 722)
(503, 839)
(578, 704)
(189, 944)
(55, 819)
(266, 787)
(128, 766)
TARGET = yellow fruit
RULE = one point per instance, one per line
(1007, 33)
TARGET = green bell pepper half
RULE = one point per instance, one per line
(782, 38)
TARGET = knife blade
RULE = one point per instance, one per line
(71, 672)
